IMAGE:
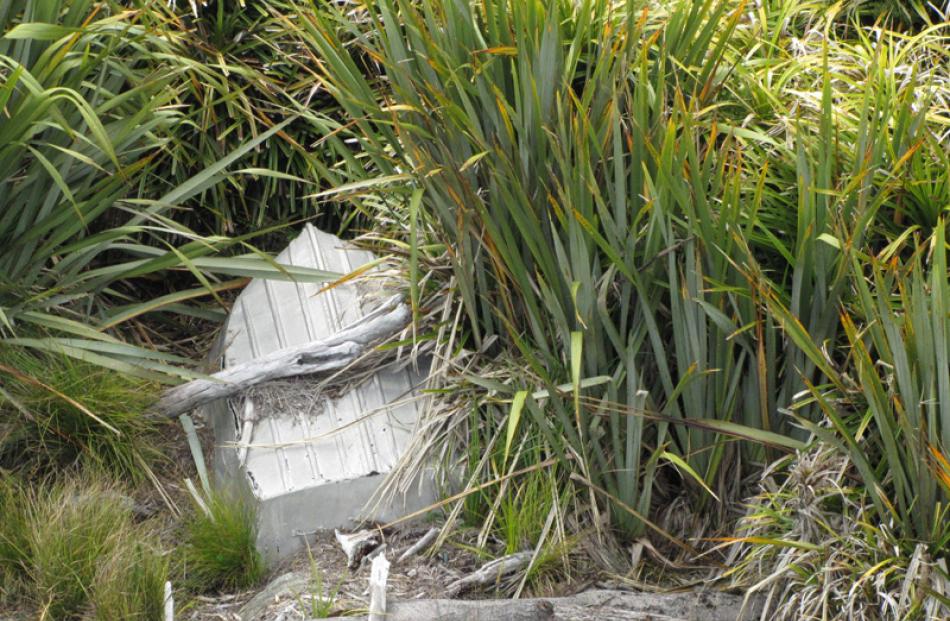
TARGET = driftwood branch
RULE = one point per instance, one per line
(422, 545)
(490, 572)
(331, 354)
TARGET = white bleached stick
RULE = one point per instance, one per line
(169, 602)
(378, 575)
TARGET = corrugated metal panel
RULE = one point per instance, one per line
(303, 447)
(270, 315)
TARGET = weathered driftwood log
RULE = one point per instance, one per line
(331, 354)
(464, 610)
(600, 605)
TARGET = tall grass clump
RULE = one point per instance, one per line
(78, 553)
(14, 542)
(59, 411)
(897, 387)
(220, 545)
(597, 210)
(535, 158)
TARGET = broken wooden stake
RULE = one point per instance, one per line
(169, 602)
(378, 575)
(357, 545)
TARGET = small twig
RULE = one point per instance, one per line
(420, 546)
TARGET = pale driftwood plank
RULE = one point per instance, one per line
(330, 354)
(462, 610)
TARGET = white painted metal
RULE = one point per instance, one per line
(311, 461)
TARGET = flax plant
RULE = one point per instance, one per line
(84, 118)
(899, 389)
(627, 204)
(565, 154)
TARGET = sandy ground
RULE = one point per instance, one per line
(324, 575)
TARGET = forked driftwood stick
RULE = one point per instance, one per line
(331, 354)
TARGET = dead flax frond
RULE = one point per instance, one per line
(443, 404)
(812, 545)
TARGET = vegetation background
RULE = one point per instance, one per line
(683, 265)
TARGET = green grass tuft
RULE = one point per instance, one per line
(220, 546)
(14, 543)
(71, 549)
(86, 554)
(524, 506)
(73, 529)
(130, 584)
(321, 599)
(60, 411)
